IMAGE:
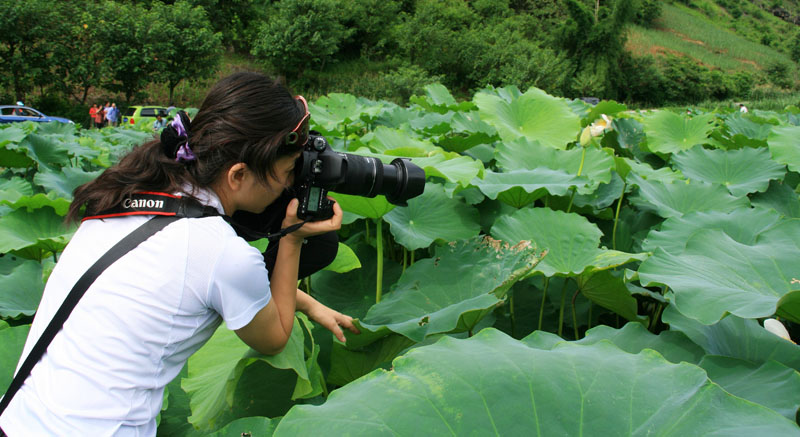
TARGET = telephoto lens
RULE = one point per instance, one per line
(320, 169)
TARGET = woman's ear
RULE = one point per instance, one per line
(235, 176)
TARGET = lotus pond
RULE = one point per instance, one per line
(569, 270)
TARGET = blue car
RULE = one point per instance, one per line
(17, 113)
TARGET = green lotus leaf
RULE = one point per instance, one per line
(11, 134)
(384, 138)
(678, 198)
(674, 346)
(770, 384)
(736, 337)
(431, 124)
(571, 240)
(215, 369)
(738, 125)
(395, 116)
(460, 170)
(438, 99)
(594, 163)
(783, 145)
(65, 181)
(451, 388)
(450, 292)
(741, 171)
(467, 131)
(59, 204)
(645, 171)
(248, 426)
(716, 274)
(432, 216)
(780, 197)
(13, 189)
(21, 284)
(375, 207)
(12, 340)
(668, 132)
(742, 225)
(534, 115)
(337, 109)
(47, 152)
(348, 364)
(629, 135)
(536, 183)
(127, 137)
(42, 229)
(345, 260)
(608, 290)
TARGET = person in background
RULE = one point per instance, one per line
(742, 108)
(98, 116)
(92, 115)
(159, 123)
(113, 115)
(106, 113)
(18, 111)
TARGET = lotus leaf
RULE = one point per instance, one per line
(571, 240)
(608, 290)
(534, 115)
(783, 144)
(742, 225)
(21, 284)
(59, 204)
(716, 274)
(668, 132)
(780, 197)
(523, 154)
(384, 138)
(736, 337)
(678, 198)
(770, 384)
(645, 171)
(450, 292)
(337, 109)
(606, 107)
(64, 182)
(741, 171)
(215, 369)
(12, 340)
(13, 189)
(520, 188)
(375, 207)
(42, 229)
(432, 216)
(248, 426)
(452, 388)
(345, 260)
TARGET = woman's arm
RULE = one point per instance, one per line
(329, 318)
(271, 327)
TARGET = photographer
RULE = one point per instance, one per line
(138, 322)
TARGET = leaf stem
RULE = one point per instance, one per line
(405, 258)
(379, 267)
(616, 218)
(574, 188)
(561, 309)
(544, 298)
(513, 318)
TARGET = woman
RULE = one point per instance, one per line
(138, 323)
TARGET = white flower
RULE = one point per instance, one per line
(777, 328)
(595, 129)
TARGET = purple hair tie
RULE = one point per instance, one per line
(184, 152)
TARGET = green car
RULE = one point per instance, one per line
(147, 113)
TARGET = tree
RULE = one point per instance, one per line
(26, 32)
(128, 48)
(184, 46)
(299, 34)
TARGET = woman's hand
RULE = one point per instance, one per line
(311, 228)
(331, 319)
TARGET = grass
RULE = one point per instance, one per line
(709, 44)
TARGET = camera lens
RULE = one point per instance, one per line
(365, 176)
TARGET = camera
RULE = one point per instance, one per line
(320, 169)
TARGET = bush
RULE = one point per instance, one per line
(300, 34)
(647, 12)
(778, 74)
(645, 83)
(404, 82)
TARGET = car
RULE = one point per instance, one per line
(19, 113)
(147, 113)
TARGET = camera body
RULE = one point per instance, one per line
(320, 169)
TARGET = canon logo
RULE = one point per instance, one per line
(142, 203)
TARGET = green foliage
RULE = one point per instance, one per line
(184, 44)
(647, 12)
(300, 35)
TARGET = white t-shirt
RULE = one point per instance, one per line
(131, 333)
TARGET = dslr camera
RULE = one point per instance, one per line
(320, 169)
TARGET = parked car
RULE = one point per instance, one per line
(147, 113)
(18, 113)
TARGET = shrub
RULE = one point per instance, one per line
(778, 74)
(647, 12)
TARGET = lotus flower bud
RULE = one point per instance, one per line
(777, 328)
